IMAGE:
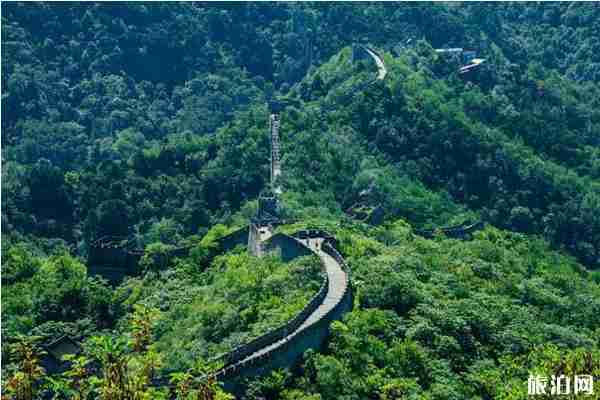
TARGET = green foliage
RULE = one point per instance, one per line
(23, 384)
(149, 125)
(126, 370)
(157, 256)
(207, 312)
(456, 318)
(58, 290)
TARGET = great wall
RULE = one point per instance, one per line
(283, 346)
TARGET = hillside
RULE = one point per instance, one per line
(146, 125)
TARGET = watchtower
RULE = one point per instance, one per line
(267, 215)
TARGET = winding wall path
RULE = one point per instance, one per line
(334, 297)
(381, 69)
(283, 346)
(307, 330)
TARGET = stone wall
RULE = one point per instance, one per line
(293, 346)
(112, 262)
(236, 238)
(115, 259)
(287, 247)
(239, 353)
(284, 346)
(289, 354)
(287, 343)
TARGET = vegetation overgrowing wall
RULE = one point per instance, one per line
(151, 121)
(240, 353)
(282, 355)
(114, 261)
(293, 342)
(234, 239)
(290, 351)
(283, 346)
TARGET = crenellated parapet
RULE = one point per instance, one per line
(284, 346)
(116, 257)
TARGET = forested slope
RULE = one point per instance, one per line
(149, 121)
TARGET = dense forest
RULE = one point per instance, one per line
(150, 122)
